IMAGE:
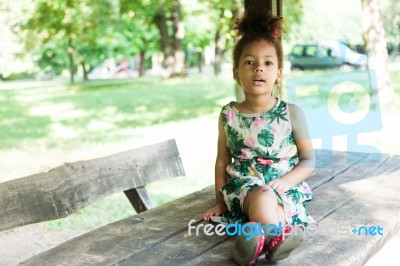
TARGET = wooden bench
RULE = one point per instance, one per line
(72, 186)
(351, 190)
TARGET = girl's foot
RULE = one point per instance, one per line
(246, 251)
(279, 248)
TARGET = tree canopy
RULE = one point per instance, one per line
(72, 35)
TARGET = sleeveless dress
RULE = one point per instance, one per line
(263, 148)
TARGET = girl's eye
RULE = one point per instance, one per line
(249, 62)
(268, 63)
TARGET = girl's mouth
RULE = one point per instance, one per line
(258, 81)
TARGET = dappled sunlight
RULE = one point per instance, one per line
(99, 125)
(141, 108)
(60, 131)
(49, 109)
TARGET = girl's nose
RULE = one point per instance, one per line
(259, 68)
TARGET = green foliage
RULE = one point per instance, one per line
(324, 20)
(390, 14)
(78, 27)
(53, 58)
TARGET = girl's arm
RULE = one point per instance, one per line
(306, 153)
(223, 159)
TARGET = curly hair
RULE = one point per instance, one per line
(258, 25)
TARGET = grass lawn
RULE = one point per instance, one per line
(102, 111)
(41, 117)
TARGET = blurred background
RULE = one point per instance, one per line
(83, 79)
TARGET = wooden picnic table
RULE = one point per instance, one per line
(351, 190)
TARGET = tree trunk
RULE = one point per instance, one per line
(199, 53)
(179, 33)
(219, 43)
(141, 67)
(174, 57)
(376, 47)
(70, 51)
(85, 71)
(70, 48)
(236, 14)
(161, 22)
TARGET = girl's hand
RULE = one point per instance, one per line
(280, 185)
(217, 210)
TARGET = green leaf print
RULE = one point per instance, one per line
(261, 152)
(243, 168)
(292, 164)
(271, 174)
(265, 138)
(279, 113)
(224, 119)
(234, 186)
(236, 211)
(234, 137)
(261, 168)
(295, 195)
(245, 122)
(288, 141)
(297, 220)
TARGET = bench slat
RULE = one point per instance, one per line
(330, 164)
(130, 236)
(378, 206)
(72, 186)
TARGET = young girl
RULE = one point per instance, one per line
(268, 141)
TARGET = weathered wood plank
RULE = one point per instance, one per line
(128, 237)
(332, 163)
(328, 198)
(176, 250)
(380, 206)
(67, 188)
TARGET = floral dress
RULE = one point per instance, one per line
(263, 148)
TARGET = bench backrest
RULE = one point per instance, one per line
(72, 186)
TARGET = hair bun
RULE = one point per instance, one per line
(259, 24)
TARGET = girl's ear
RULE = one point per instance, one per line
(235, 74)
(279, 76)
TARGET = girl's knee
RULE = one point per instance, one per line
(264, 191)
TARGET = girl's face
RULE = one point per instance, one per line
(258, 68)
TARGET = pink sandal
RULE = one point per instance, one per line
(246, 252)
(279, 248)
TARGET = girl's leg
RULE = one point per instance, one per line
(262, 206)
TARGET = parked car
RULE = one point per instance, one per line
(325, 54)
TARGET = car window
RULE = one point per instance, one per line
(311, 51)
(297, 50)
(326, 51)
